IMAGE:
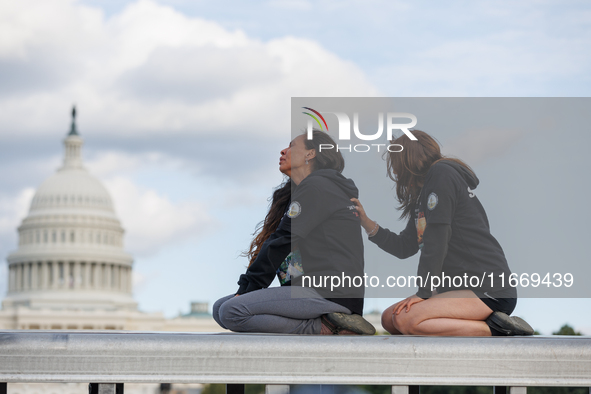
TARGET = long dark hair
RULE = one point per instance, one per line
(409, 167)
(325, 159)
(279, 203)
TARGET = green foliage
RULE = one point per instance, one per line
(254, 389)
(557, 390)
(476, 390)
(373, 389)
(455, 390)
(566, 330)
(221, 389)
(214, 389)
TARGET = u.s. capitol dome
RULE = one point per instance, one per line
(70, 251)
(70, 270)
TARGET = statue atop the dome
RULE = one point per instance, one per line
(73, 130)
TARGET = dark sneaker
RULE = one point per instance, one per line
(343, 324)
(509, 325)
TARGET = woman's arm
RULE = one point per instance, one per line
(440, 192)
(436, 239)
(401, 245)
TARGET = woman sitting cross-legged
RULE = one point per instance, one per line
(311, 230)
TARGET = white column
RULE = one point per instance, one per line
(117, 276)
(86, 282)
(110, 276)
(25, 276)
(76, 274)
(19, 275)
(99, 275)
(130, 280)
(16, 284)
(95, 275)
(10, 278)
(56, 273)
(34, 276)
(103, 278)
(124, 280)
(15, 268)
(45, 275)
(113, 280)
(66, 283)
(23, 282)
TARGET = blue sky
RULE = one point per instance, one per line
(184, 107)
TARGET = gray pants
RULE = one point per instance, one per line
(274, 310)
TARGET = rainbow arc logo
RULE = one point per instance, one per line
(315, 118)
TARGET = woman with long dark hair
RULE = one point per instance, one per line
(449, 225)
(311, 230)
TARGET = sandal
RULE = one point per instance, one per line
(508, 325)
(343, 324)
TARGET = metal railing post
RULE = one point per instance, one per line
(105, 388)
(234, 389)
(499, 389)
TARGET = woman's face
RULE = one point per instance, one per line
(294, 156)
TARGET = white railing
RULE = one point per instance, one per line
(403, 362)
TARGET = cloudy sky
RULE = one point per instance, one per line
(185, 105)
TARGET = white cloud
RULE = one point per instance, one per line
(13, 209)
(111, 163)
(296, 5)
(151, 220)
(493, 48)
(152, 69)
(477, 146)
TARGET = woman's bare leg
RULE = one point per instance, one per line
(454, 313)
(387, 321)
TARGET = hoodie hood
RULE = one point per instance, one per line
(470, 178)
(346, 184)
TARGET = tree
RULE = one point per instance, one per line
(566, 330)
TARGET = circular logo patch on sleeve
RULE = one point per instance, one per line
(294, 210)
(432, 201)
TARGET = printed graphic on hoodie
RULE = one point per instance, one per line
(420, 223)
(290, 268)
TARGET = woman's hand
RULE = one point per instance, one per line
(406, 303)
(368, 224)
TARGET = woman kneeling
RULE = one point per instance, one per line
(449, 225)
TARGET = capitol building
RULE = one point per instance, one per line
(70, 271)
